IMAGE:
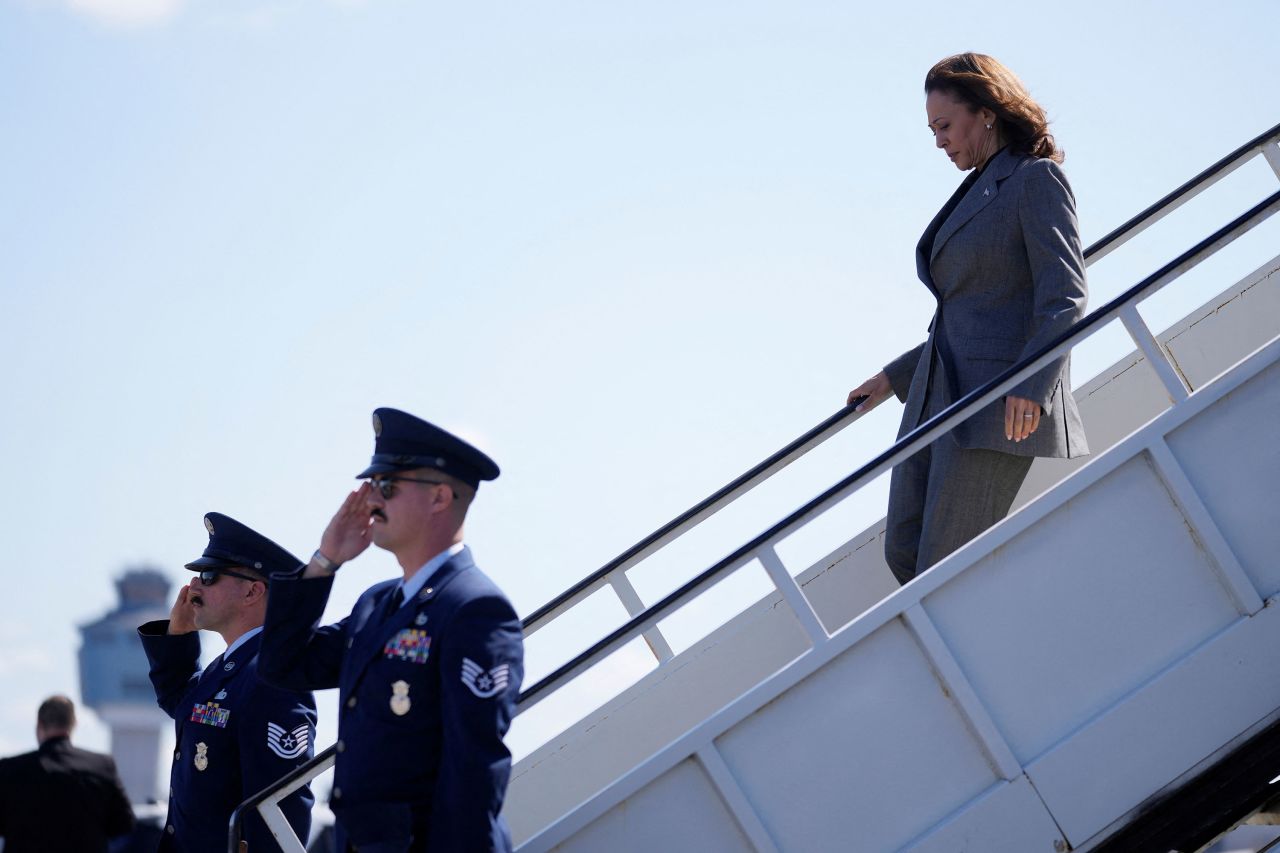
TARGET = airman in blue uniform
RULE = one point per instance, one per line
(235, 734)
(428, 666)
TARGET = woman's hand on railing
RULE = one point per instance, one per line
(876, 390)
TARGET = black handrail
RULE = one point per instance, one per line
(702, 509)
(921, 435)
(844, 417)
(1226, 164)
(303, 771)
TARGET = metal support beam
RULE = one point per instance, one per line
(1174, 385)
(1272, 153)
(960, 689)
(726, 785)
(1232, 575)
(631, 601)
(794, 595)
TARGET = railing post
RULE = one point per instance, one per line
(1272, 152)
(794, 595)
(1174, 384)
(631, 601)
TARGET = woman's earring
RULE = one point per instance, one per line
(988, 127)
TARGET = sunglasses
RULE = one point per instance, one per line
(210, 576)
(386, 486)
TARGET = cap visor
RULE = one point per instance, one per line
(383, 468)
(202, 563)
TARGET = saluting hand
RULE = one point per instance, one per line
(347, 535)
(182, 617)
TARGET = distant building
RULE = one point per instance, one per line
(114, 683)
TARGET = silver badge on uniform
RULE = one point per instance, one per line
(201, 760)
(400, 703)
(228, 666)
(222, 694)
(420, 619)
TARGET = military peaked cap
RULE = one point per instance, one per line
(403, 442)
(233, 545)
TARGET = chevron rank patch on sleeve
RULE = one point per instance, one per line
(287, 744)
(485, 683)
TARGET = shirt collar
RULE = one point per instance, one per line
(419, 579)
(241, 640)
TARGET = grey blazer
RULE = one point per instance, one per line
(1007, 269)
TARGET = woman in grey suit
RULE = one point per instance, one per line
(1004, 261)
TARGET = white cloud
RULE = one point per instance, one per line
(128, 14)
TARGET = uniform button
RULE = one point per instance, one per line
(351, 642)
(351, 703)
(337, 793)
(177, 756)
(169, 829)
(342, 747)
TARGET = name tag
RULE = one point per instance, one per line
(211, 715)
(411, 644)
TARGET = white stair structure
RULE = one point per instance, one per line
(1031, 691)
(1041, 689)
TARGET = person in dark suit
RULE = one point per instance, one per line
(61, 799)
(428, 665)
(1004, 261)
(235, 734)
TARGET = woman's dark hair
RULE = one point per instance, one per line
(978, 81)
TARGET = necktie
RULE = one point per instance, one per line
(393, 603)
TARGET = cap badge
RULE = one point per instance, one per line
(377, 425)
(400, 703)
(201, 761)
(208, 525)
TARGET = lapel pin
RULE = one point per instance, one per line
(987, 191)
(228, 666)
(222, 694)
(420, 619)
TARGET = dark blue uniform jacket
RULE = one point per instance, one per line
(426, 693)
(235, 736)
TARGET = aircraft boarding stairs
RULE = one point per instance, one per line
(1100, 671)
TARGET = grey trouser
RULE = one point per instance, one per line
(943, 496)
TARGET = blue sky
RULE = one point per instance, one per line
(628, 248)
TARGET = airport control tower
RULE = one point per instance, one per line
(114, 683)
